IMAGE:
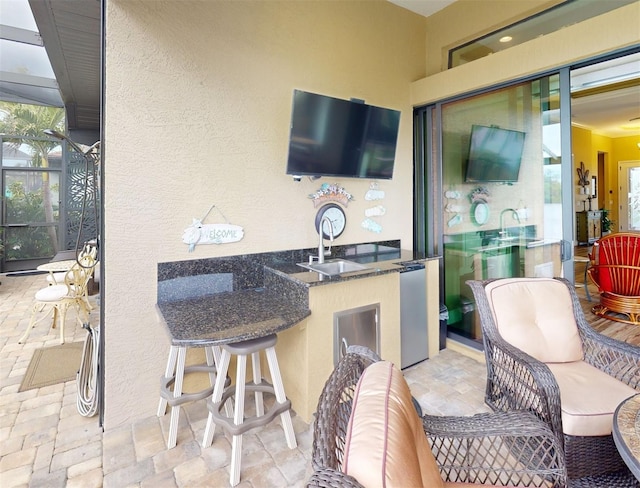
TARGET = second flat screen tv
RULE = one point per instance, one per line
(494, 154)
(334, 137)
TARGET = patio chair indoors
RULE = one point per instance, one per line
(542, 356)
(367, 432)
(615, 270)
(57, 299)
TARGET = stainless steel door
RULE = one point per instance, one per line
(356, 326)
(413, 317)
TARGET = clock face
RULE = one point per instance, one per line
(334, 214)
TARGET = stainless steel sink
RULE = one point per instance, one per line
(333, 267)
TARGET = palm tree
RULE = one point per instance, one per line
(22, 120)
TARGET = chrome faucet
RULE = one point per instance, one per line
(322, 252)
(514, 215)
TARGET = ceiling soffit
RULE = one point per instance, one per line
(70, 30)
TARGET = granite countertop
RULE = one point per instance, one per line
(392, 262)
(237, 298)
(229, 317)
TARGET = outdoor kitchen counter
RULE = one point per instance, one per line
(234, 298)
(229, 317)
(237, 300)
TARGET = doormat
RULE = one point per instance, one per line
(53, 365)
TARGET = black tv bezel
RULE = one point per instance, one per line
(316, 174)
(487, 179)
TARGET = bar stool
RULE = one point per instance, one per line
(174, 375)
(238, 425)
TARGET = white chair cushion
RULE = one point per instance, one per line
(536, 316)
(588, 398)
(51, 293)
(56, 278)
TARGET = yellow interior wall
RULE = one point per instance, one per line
(582, 152)
(623, 149)
(586, 145)
(198, 106)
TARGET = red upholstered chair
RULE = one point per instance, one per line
(615, 270)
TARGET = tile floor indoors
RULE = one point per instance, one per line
(45, 442)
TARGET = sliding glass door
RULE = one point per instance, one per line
(497, 163)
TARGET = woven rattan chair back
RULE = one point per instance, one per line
(518, 382)
(505, 448)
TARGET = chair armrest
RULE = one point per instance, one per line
(331, 478)
(616, 358)
(509, 448)
(509, 368)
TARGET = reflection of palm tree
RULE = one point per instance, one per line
(30, 120)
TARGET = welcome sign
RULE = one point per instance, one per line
(199, 233)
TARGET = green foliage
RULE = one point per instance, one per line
(29, 120)
(20, 123)
(606, 224)
(25, 207)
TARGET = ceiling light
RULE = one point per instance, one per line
(506, 39)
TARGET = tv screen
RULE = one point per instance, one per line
(334, 137)
(494, 154)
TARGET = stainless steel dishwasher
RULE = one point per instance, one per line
(413, 314)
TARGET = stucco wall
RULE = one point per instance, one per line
(466, 20)
(198, 100)
(609, 32)
(198, 104)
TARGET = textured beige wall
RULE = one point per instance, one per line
(609, 32)
(198, 103)
(197, 111)
(466, 20)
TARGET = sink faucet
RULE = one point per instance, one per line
(514, 215)
(322, 252)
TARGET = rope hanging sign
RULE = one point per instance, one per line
(199, 233)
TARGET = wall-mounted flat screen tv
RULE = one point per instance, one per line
(335, 137)
(494, 154)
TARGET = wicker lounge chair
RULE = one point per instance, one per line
(538, 344)
(513, 448)
(615, 269)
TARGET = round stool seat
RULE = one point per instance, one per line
(252, 345)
